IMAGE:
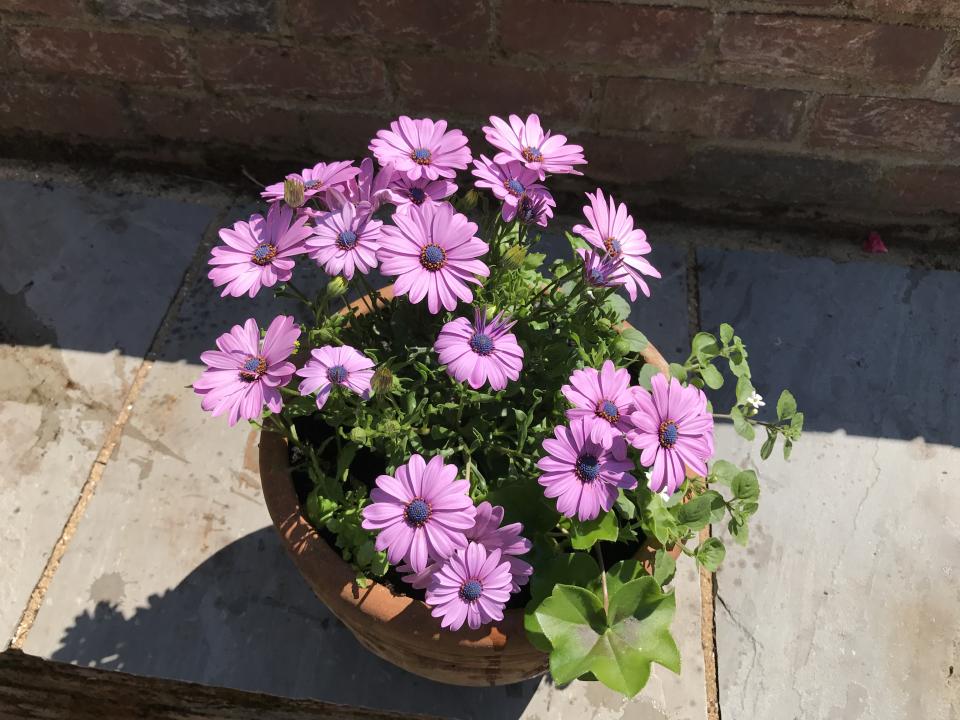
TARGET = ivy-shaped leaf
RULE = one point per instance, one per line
(570, 568)
(616, 646)
(584, 535)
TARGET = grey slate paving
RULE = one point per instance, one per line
(87, 279)
(844, 605)
(175, 571)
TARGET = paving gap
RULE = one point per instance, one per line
(708, 635)
(195, 266)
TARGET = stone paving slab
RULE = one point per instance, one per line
(87, 279)
(845, 603)
(175, 571)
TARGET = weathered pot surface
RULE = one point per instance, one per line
(397, 628)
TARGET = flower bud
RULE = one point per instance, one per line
(382, 380)
(337, 286)
(469, 201)
(293, 192)
(358, 434)
(513, 258)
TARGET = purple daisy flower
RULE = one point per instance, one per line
(672, 429)
(611, 230)
(602, 271)
(526, 142)
(421, 148)
(583, 475)
(345, 240)
(511, 182)
(406, 193)
(419, 580)
(533, 211)
(331, 366)
(603, 400)
(316, 180)
(487, 531)
(480, 352)
(472, 586)
(258, 253)
(369, 188)
(245, 373)
(433, 250)
(421, 513)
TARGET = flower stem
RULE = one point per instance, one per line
(603, 577)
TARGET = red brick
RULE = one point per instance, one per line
(244, 15)
(63, 110)
(480, 89)
(267, 68)
(701, 109)
(951, 65)
(122, 56)
(341, 135)
(927, 8)
(56, 8)
(923, 187)
(919, 126)
(815, 48)
(603, 32)
(629, 160)
(461, 24)
(229, 120)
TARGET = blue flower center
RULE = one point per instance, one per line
(471, 590)
(252, 368)
(417, 512)
(481, 344)
(528, 211)
(608, 411)
(514, 186)
(264, 253)
(418, 195)
(668, 434)
(421, 156)
(433, 257)
(613, 246)
(347, 240)
(337, 374)
(596, 276)
(310, 184)
(532, 154)
(587, 467)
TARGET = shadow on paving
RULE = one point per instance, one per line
(246, 619)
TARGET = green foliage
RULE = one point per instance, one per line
(583, 535)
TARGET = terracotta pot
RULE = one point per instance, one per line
(398, 628)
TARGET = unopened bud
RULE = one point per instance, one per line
(382, 380)
(358, 434)
(337, 286)
(469, 201)
(293, 192)
(513, 258)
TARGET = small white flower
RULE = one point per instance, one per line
(755, 400)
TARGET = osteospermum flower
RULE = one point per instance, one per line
(484, 351)
(245, 373)
(672, 429)
(602, 271)
(345, 241)
(533, 211)
(527, 142)
(511, 182)
(369, 188)
(603, 400)
(406, 193)
(420, 513)
(611, 230)
(316, 180)
(487, 531)
(258, 252)
(583, 475)
(471, 587)
(421, 148)
(433, 251)
(336, 366)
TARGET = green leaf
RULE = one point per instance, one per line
(722, 472)
(569, 568)
(744, 389)
(796, 424)
(726, 333)
(786, 405)
(619, 646)
(743, 428)
(523, 501)
(618, 306)
(584, 534)
(745, 486)
(787, 448)
(646, 374)
(617, 576)
(712, 377)
(678, 371)
(664, 567)
(739, 530)
(710, 553)
(626, 506)
(636, 340)
(701, 510)
(704, 346)
(659, 521)
(768, 444)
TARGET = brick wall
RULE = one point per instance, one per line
(797, 109)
